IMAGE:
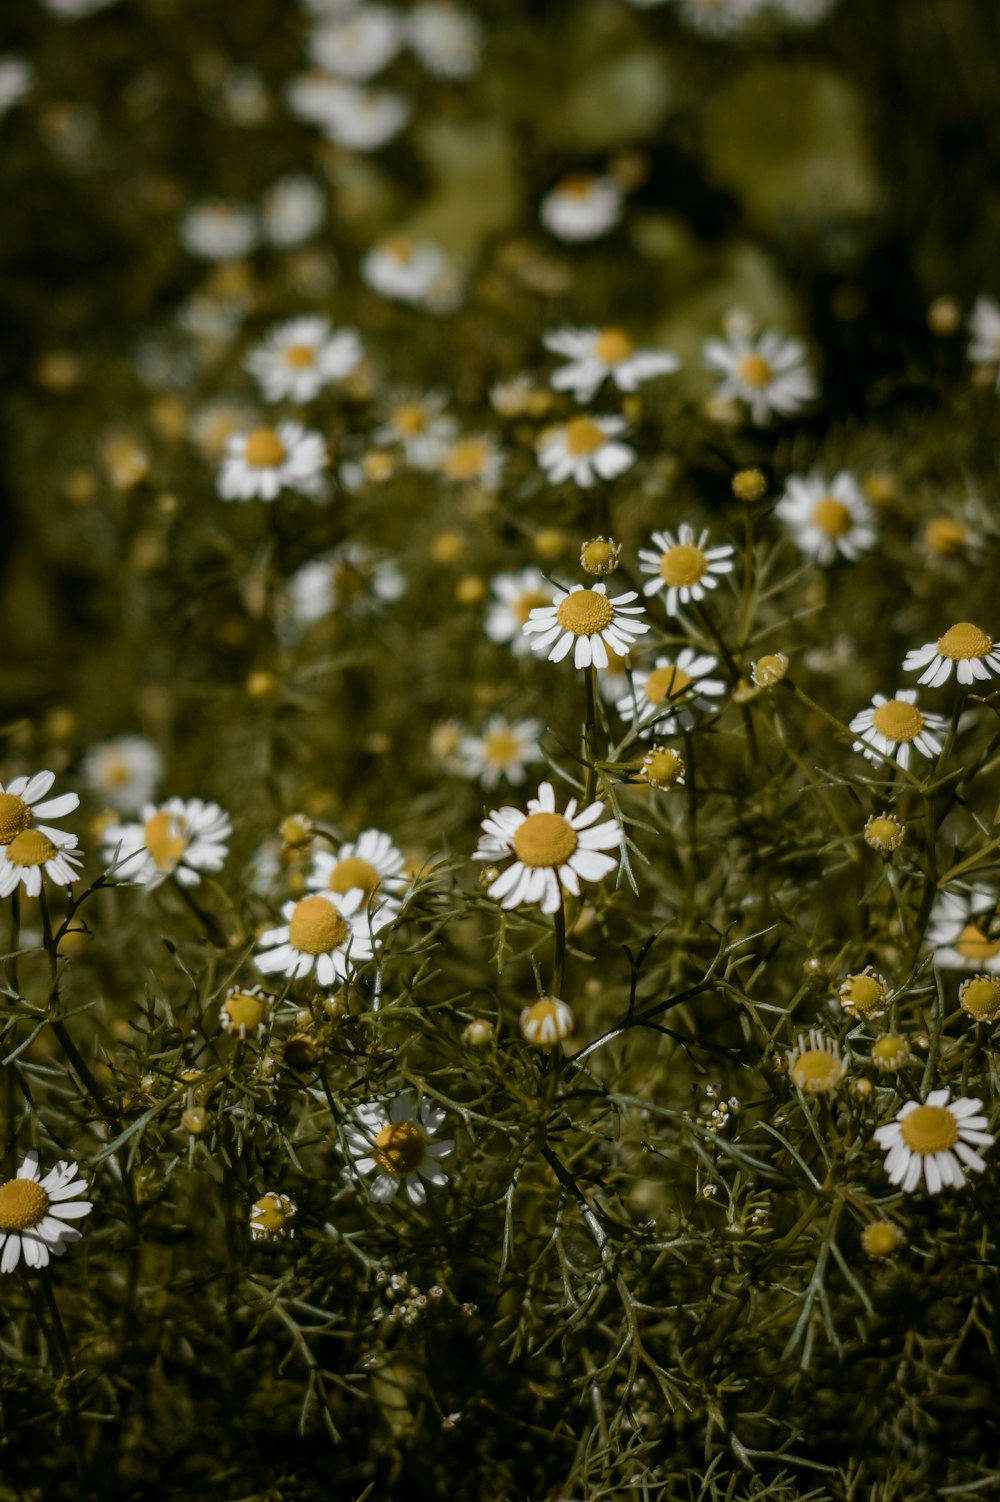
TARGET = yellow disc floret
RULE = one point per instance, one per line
(612, 346)
(683, 565)
(264, 449)
(898, 721)
(165, 838)
(585, 612)
(583, 436)
(544, 840)
(980, 997)
(832, 517)
(23, 1205)
(15, 816)
(864, 994)
(400, 1148)
(316, 927)
(929, 1129)
(964, 641)
(32, 848)
(665, 683)
(973, 944)
(352, 871)
(755, 371)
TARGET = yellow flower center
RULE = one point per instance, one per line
(544, 840)
(31, 848)
(890, 1051)
(501, 747)
(400, 1148)
(964, 641)
(165, 836)
(583, 436)
(245, 1010)
(662, 767)
(945, 535)
(973, 944)
(929, 1129)
(577, 185)
(667, 683)
(271, 1215)
(316, 927)
(755, 371)
(816, 1070)
(532, 599)
(352, 871)
(683, 564)
(898, 721)
(300, 356)
(881, 1238)
(585, 612)
(400, 249)
(23, 1205)
(612, 346)
(980, 997)
(117, 772)
(547, 1022)
(15, 815)
(864, 993)
(264, 449)
(409, 419)
(467, 460)
(600, 556)
(883, 832)
(832, 517)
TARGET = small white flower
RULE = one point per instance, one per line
(933, 1141)
(364, 119)
(516, 596)
(718, 18)
(72, 10)
(181, 838)
(677, 687)
(595, 354)
(391, 1142)
(827, 520)
(293, 210)
(684, 566)
(965, 647)
(268, 460)
(20, 807)
(123, 772)
(893, 726)
(446, 39)
(475, 459)
(326, 934)
(419, 424)
(218, 231)
(351, 580)
(299, 358)
(554, 852)
(547, 1022)
(768, 373)
(406, 270)
(34, 1213)
(585, 449)
(16, 79)
(371, 865)
(587, 622)
(503, 749)
(582, 207)
(984, 334)
(359, 45)
(271, 1216)
(959, 931)
(32, 854)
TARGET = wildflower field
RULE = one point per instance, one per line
(499, 748)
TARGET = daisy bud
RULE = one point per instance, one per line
(769, 670)
(884, 832)
(944, 316)
(881, 1240)
(297, 831)
(979, 996)
(890, 1053)
(548, 1022)
(196, 1121)
(663, 768)
(477, 1033)
(600, 556)
(749, 485)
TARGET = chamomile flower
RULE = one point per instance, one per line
(447, 39)
(960, 930)
(363, 119)
(684, 566)
(553, 852)
(827, 521)
(515, 597)
(586, 622)
(299, 358)
(768, 373)
(181, 838)
(815, 1065)
(246, 1010)
(123, 772)
(419, 424)
(292, 211)
(16, 79)
(596, 354)
(404, 269)
(262, 463)
(503, 749)
(31, 855)
(474, 459)
(965, 647)
(271, 1216)
(350, 581)
(718, 18)
(34, 1213)
(23, 802)
(676, 686)
(582, 207)
(547, 1022)
(892, 727)
(865, 994)
(326, 934)
(372, 865)
(934, 1141)
(392, 1140)
(979, 997)
(218, 231)
(984, 334)
(585, 449)
(358, 45)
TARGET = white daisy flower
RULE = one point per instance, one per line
(553, 851)
(585, 449)
(32, 854)
(299, 358)
(769, 373)
(326, 934)
(677, 686)
(803, 12)
(72, 10)
(893, 726)
(351, 580)
(16, 79)
(359, 45)
(503, 749)
(420, 426)
(271, 1216)
(816, 1065)
(960, 931)
(34, 1213)
(547, 1021)
(718, 18)
(475, 459)
(218, 231)
(516, 596)
(964, 646)
(984, 334)
(392, 1142)
(446, 39)
(586, 621)
(266, 461)
(933, 1141)
(181, 838)
(582, 207)
(595, 354)
(684, 566)
(406, 270)
(363, 119)
(292, 211)
(123, 772)
(827, 520)
(20, 808)
(371, 865)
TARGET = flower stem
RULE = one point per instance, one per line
(559, 962)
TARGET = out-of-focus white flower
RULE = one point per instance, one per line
(676, 688)
(181, 838)
(582, 207)
(324, 933)
(585, 449)
(446, 39)
(503, 749)
(960, 930)
(299, 358)
(516, 596)
(409, 271)
(292, 210)
(718, 18)
(827, 521)
(123, 772)
(984, 334)
(769, 372)
(419, 424)
(16, 79)
(266, 461)
(595, 354)
(349, 580)
(358, 45)
(684, 566)
(218, 231)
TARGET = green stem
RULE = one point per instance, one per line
(559, 963)
(590, 737)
